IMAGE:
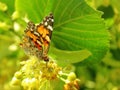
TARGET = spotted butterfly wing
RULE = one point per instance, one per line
(45, 29)
(37, 39)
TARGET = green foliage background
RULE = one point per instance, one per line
(80, 38)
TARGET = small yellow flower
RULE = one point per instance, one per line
(72, 85)
(30, 84)
(15, 81)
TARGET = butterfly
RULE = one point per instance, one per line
(37, 38)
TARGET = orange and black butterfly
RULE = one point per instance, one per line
(37, 38)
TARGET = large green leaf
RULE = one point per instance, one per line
(64, 57)
(77, 26)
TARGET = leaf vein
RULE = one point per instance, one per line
(63, 12)
(75, 8)
(70, 20)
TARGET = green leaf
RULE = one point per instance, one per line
(35, 10)
(77, 26)
(67, 57)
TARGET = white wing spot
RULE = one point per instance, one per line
(52, 20)
(50, 28)
(45, 23)
(36, 33)
(39, 42)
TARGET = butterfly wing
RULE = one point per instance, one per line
(29, 43)
(45, 29)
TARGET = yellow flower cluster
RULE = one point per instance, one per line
(34, 73)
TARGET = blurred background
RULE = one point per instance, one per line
(102, 76)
